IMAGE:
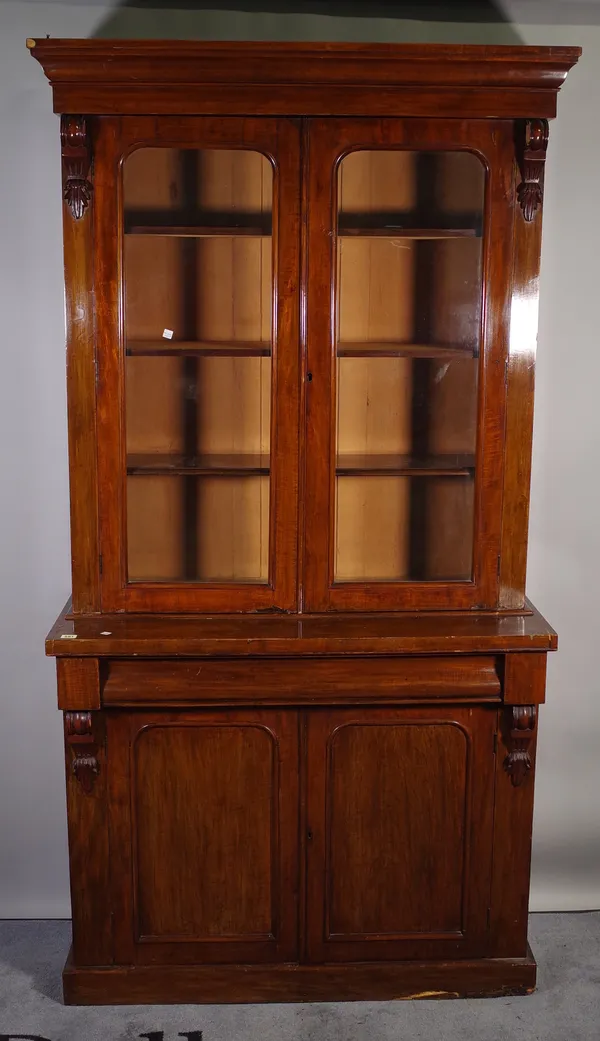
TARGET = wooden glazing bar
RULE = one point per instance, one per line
(424, 299)
(189, 404)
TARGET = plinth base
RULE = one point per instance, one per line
(367, 981)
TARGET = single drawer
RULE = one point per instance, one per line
(312, 681)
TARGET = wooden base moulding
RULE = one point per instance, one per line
(376, 981)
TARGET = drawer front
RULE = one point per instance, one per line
(301, 681)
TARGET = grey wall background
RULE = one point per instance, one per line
(564, 571)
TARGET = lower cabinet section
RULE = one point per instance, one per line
(204, 836)
(288, 830)
(320, 836)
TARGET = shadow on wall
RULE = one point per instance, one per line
(473, 21)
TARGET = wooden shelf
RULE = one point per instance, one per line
(197, 349)
(356, 231)
(404, 466)
(213, 465)
(181, 231)
(241, 465)
(410, 224)
(182, 224)
(396, 349)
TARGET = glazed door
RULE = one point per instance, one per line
(399, 832)
(197, 242)
(204, 835)
(409, 269)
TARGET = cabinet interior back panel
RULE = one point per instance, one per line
(421, 298)
(200, 297)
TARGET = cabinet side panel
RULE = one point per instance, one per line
(81, 380)
(88, 837)
(519, 406)
(513, 822)
(107, 269)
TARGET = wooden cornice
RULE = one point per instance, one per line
(195, 77)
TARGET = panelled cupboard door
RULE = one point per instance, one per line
(410, 228)
(196, 230)
(399, 832)
(204, 835)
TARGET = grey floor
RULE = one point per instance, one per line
(566, 1006)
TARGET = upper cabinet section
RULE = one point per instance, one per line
(301, 305)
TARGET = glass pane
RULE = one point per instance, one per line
(408, 317)
(198, 325)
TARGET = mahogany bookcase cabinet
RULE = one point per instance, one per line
(299, 675)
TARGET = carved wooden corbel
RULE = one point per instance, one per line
(518, 760)
(533, 147)
(76, 156)
(81, 741)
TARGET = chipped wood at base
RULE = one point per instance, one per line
(376, 981)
